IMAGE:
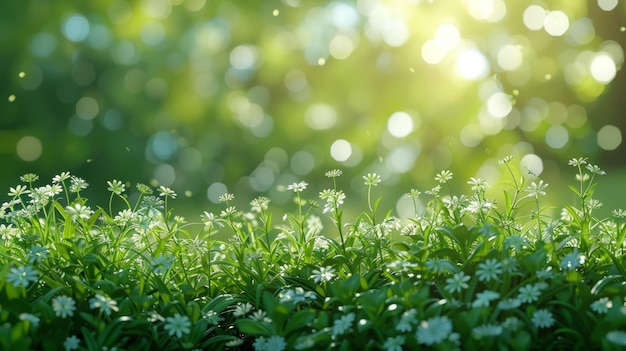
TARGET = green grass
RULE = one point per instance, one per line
(463, 273)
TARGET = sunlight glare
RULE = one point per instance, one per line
(341, 150)
(534, 17)
(556, 23)
(320, 116)
(532, 165)
(400, 124)
(609, 137)
(607, 5)
(557, 137)
(499, 105)
(472, 65)
(510, 57)
(602, 68)
(340, 47)
(448, 35)
(487, 10)
(395, 33)
(433, 52)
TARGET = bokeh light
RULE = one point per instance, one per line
(201, 96)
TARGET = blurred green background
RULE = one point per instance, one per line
(209, 96)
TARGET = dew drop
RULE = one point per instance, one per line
(11, 98)
(276, 12)
(21, 74)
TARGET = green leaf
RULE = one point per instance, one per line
(299, 320)
(253, 327)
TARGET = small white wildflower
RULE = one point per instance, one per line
(543, 318)
(177, 325)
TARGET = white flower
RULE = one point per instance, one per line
(529, 293)
(22, 276)
(572, 260)
(602, 305)
(78, 211)
(543, 318)
(71, 343)
(407, 320)
(394, 343)
(618, 337)
(103, 303)
(63, 306)
(34, 320)
(297, 187)
(433, 330)
(343, 324)
(324, 274)
(457, 283)
(488, 270)
(177, 325)
(242, 309)
(484, 298)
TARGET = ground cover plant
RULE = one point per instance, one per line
(463, 273)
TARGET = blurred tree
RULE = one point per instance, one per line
(214, 96)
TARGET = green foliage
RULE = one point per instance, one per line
(461, 274)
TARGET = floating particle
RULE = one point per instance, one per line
(515, 92)
(548, 76)
(321, 61)
(21, 74)
(412, 70)
(11, 98)
(276, 12)
(623, 29)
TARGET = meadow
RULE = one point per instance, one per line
(465, 272)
